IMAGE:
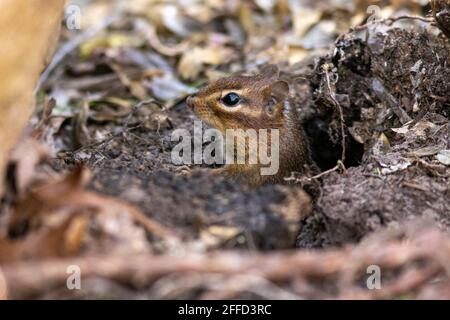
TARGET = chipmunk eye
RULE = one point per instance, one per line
(231, 99)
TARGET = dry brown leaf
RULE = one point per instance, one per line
(25, 157)
(424, 152)
(28, 34)
(75, 233)
(45, 243)
(136, 87)
(149, 32)
(45, 119)
(382, 145)
(116, 40)
(246, 20)
(192, 62)
(303, 18)
(169, 88)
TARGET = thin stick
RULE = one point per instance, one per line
(341, 112)
(339, 165)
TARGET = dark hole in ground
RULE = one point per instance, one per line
(325, 152)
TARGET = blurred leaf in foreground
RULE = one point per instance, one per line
(28, 33)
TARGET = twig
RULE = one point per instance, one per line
(339, 165)
(382, 94)
(326, 68)
(415, 186)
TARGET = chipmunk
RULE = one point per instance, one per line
(255, 102)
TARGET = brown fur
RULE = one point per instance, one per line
(265, 104)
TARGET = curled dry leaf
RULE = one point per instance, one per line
(43, 243)
(150, 34)
(116, 40)
(136, 88)
(24, 158)
(382, 145)
(45, 119)
(193, 61)
(425, 151)
(419, 130)
(168, 88)
(303, 18)
(396, 165)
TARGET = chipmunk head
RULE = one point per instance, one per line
(243, 102)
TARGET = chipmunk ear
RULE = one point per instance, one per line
(270, 71)
(279, 92)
